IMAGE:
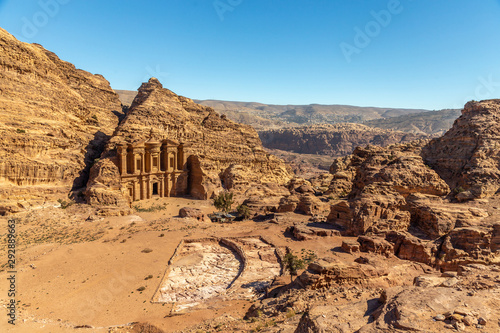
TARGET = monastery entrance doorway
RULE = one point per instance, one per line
(155, 189)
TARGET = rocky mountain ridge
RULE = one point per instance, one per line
(293, 115)
(434, 123)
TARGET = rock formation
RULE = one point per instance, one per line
(467, 156)
(400, 193)
(333, 140)
(377, 181)
(220, 153)
(54, 121)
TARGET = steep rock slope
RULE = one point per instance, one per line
(467, 157)
(221, 152)
(54, 120)
(333, 140)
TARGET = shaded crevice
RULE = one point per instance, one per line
(94, 149)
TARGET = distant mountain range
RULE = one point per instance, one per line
(434, 123)
(267, 116)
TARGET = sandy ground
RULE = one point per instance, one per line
(73, 272)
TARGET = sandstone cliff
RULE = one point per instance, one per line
(221, 152)
(54, 120)
(333, 140)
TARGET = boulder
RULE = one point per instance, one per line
(192, 213)
(309, 204)
(288, 204)
(409, 247)
(375, 245)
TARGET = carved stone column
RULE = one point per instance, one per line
(174, 183)
(137, 190)
(161, 186)
(143, 187)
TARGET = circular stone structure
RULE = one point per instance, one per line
(201, 270)
(225, 268)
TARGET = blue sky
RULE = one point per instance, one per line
(387, 53)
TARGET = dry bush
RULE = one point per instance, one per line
(146, 328)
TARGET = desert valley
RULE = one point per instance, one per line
(146, 211)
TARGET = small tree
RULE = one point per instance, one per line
(293, 264)
(224, 201)
(243, 211)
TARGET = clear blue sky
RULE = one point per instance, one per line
(425, 54)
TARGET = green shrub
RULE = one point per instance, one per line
(309, 256)
(20, 130)
(224, 201)
(153, 208)
(65, 204)
(244, 211)
(292, 264)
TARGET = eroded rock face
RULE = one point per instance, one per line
(409, 247)
(302, 199)
(54, 119)
(220, 152)
(391, 192)
(377, 208)
(433, 309)
(467, 155)
(436, 217)
(377, 182)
